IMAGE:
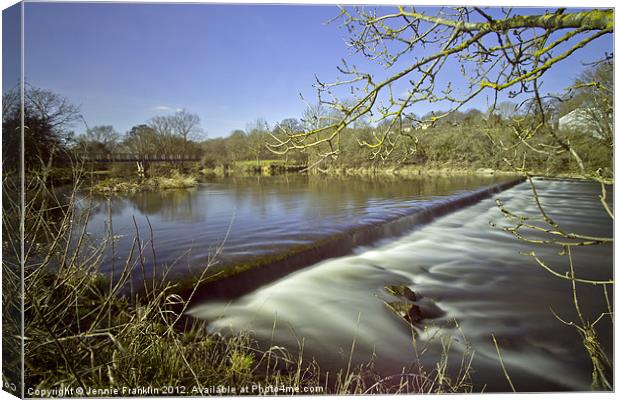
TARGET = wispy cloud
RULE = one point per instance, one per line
(166, 109)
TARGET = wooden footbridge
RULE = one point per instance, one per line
(134, 157)
(143, 160)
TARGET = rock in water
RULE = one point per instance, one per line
(404, 308)
(407, 311)
(401, 291)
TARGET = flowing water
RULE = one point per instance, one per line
(465, 267)
(465, 270)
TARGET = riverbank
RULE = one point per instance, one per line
(124, 178)
(438, 170)
(170, 177)
(408, 171)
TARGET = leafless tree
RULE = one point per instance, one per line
(10, 102)
(496, 53)
(99, 139)
(55, 110)
(142, 140)
(48, 119)
(506, 109)
(181, 125)
(186, 124)
(592, 99)
(501, 54)
(257, 133)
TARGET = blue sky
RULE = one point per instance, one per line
(230, 64)
(11, 46)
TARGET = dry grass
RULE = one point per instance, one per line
(129, 185)
(176, 181)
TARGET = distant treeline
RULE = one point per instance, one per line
(470, 140)
(473, 140)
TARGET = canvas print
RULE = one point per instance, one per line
(293, 199)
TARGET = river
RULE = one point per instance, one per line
(261, 216)
(465, 268)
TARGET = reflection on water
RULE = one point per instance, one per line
(266, 215)
(472, 271)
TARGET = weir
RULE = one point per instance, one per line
(245, 279)
(462, 265)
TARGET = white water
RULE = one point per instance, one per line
(471, 271)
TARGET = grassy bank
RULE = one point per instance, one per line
(247, 168)
(175, 180)
(408, 171)
(253, 167)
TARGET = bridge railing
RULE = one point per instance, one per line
(129, 157)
